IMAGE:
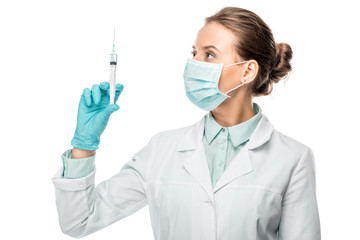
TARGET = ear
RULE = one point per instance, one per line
(250, 71)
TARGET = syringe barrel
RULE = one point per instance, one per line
(112, 82)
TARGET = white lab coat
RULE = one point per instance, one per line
(267, 192)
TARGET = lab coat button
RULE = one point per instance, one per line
(208, 201)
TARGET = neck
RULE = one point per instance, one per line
(234, 111)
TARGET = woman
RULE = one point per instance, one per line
(230, 175)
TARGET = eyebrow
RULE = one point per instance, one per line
(206, 47)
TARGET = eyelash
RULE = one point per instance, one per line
(193, 52)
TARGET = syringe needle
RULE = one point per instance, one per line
(114, 42)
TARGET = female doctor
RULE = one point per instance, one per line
(228, 176)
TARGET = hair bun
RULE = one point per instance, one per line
(282, 65)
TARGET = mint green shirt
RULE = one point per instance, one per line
(77, 167)
(221, 146)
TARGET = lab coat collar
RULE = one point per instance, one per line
(239, 133)
(193, 137)
(196, 164)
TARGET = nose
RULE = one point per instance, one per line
(196, 58)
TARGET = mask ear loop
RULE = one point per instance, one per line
(235, 88)
(241, 83)
(235, 63)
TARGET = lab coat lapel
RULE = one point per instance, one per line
(196, 163)
(238, 167)
(242, 164)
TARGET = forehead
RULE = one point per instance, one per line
(215, 34)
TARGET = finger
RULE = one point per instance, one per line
(104, 86)
(87, 96)
(110, 109)
(119, 89)
(96, 94)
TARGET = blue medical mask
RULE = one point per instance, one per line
(201, 81)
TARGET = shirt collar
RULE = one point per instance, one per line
(238, 133)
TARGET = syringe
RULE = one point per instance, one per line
(112, 81)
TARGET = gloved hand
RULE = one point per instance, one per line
(93, 115)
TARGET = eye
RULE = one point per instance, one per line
(209, 53)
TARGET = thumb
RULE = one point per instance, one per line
(110, 109)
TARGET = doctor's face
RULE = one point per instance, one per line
(214, 44)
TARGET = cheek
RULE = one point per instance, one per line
(227, 80)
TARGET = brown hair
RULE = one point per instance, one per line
(254, 40)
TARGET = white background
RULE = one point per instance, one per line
(51, 50)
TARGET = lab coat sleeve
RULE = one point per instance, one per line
(300, 216)
(83, 208)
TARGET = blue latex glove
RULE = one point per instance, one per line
(93, 115)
